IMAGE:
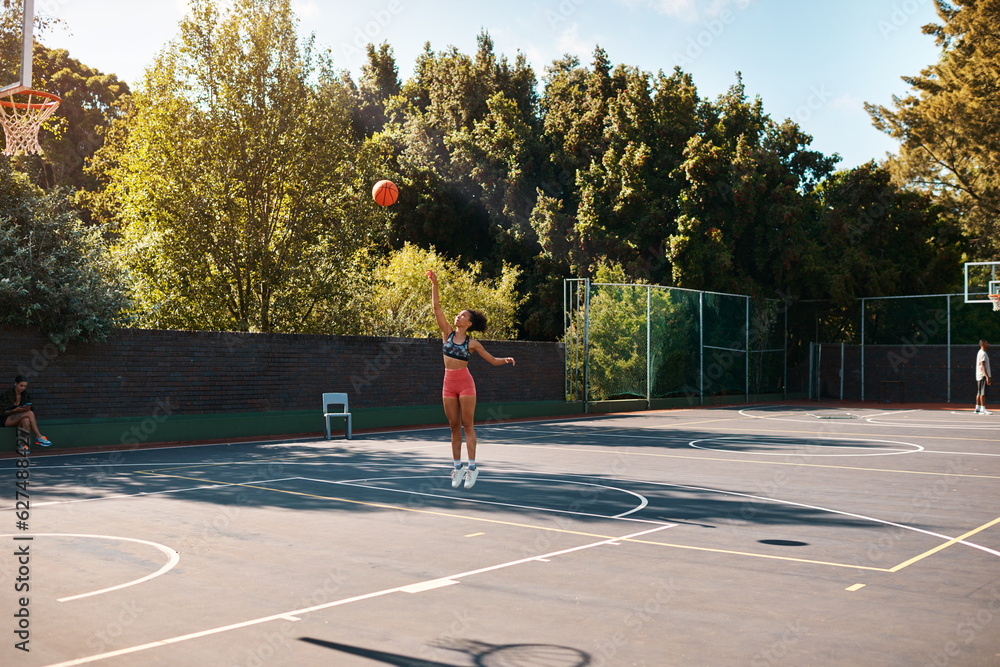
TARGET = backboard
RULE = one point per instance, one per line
(23, 81)
(978, 276)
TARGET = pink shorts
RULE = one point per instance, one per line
(458, 382)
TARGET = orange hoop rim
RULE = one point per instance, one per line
(11, 104)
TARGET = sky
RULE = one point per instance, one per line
(814, 61)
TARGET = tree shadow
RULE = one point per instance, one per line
(325, 476)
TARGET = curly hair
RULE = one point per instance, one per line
(478, 321)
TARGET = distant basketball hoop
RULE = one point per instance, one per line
(21, 115)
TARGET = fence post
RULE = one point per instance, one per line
(948, 306)
(586, 346)
(701, 348)
(649, 359)
(862, 350)
(809, 379)
(841, 370)
(746, 356)
(566, 299)
(819, 371)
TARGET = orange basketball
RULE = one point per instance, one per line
(384, 193)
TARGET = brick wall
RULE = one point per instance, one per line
(142, 372)
(923, 370)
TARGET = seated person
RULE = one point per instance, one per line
(15, 410)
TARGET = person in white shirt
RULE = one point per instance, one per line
(983, 376)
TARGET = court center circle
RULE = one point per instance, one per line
(802, 447)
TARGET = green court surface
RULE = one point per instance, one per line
(757, 535)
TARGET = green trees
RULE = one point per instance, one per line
(55, 273)
(747, 219)
(399, 295)
(947, 126)
(233, 177)
(90, 101)
(879, 239)
(617, 139)
(236, 181)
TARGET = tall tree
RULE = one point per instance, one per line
(464, 135)
(234, 176)
(948, 125)
(878, 239)
(91, 100)
(747, 219)
(379, 83)
(55, 273)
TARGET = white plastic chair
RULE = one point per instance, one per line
(336, 399)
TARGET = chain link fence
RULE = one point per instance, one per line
(650, 342)
(919, 347)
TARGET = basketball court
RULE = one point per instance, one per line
(791, 534)
(762, 535)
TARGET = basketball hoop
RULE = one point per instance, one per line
(995, 298)
(21, 120)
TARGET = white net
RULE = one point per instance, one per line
(995, 298)
(22, 115)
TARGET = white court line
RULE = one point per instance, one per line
(869, 419)
(164, 464)
(928, 451)
(892, 412)
(665, 436)
(172, 559)
(153, 493)
(935, 423)
(832, 511)
(643, 502)
(298, 612)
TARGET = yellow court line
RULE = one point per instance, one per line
(775, 463)
(523, 525)
(744, 553)
(742, 428)
(944, 546)
(640, 429)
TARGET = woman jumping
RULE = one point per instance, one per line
(459, 392)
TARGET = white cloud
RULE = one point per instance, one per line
(306, 10)
(688, 10)
(569, 41)
(848, 102)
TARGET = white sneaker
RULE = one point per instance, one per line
(985, 412)
(470, 477)
(457, 474)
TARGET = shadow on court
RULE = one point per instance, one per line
(480, 653)
(310, 477)
(603, 541)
